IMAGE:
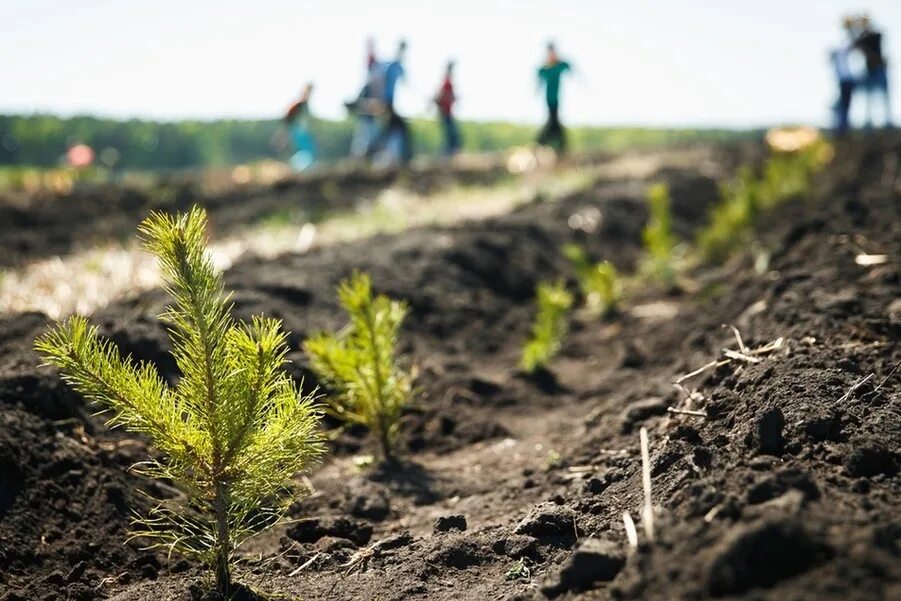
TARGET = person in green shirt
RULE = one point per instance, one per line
(549, 75)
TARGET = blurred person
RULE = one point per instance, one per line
(394, 73)
(365, 106)
(549, 76)
(394, 143)
(394, 146)
(370, 53)
(444, 100)
(80, 156)
(839, 57)
(297, 121)
(869, 42)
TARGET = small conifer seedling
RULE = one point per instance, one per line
(360, 363)
(659, 241)
(232, 433)
(783, 176)
(732, 218)
(550, 326)
(600, 283)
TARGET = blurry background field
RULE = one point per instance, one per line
(32, 146)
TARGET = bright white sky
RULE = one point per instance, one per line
(645, 62)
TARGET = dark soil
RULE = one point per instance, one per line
(514, 487)
(47, 224)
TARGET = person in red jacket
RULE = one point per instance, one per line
(444, 100)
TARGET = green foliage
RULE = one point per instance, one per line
(550, 326)
(360, 364)
(600, 282)
(731, 218)
(658, 238)
(232, 433)
(520, 570)
(783, 177)
(40, 140)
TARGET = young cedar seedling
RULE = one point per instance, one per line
(659, 242)
(232, 433)
(600, 282)
(550, 326)
(360, 364)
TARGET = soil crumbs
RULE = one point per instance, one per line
(515, 487)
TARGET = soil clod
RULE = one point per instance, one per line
(594, 560)
(761, 555)
(450, 522)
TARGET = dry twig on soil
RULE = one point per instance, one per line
(647, 511)
(631, 532)
(854, 387)
(744, 354)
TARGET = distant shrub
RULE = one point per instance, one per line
(550, 326)
(600, 283)
(658, 238)
(360, 364)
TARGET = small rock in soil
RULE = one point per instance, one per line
(870, 459)
(762, 554)
(639, 411)
(548, 519)
(844, 302)
(395, 541)
(545, 380)
(768, 430)
(312, 529)
(516, 546)
(483, 387)
(823, 427)
(781, 482)
(460, 554)
(55, 577)
(447, 523)
(687, 433)
(371, 504)
(330, 544)
(594, 560)
(787, 504)
(596, 485)
(76, 573)
(635, 355)
(762, 463)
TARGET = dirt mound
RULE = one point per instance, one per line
(48, 224)
(787, 489)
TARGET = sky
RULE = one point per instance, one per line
(728, 63)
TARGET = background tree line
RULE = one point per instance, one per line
(41, 140)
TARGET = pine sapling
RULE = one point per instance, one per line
(360, 364)
(550, 326)
(232, 434)
(783, 176)
(659, 241)
(732, 218)
(600, 283)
